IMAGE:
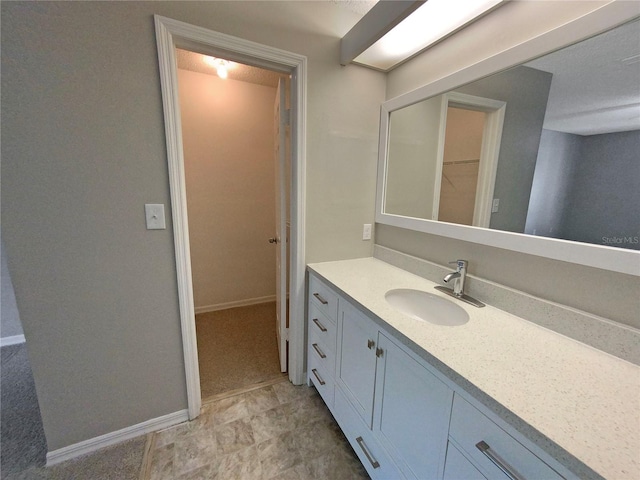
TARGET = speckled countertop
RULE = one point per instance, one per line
(585, 401)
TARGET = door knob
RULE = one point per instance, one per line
(274, 240)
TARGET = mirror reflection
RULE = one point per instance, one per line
(549, 148)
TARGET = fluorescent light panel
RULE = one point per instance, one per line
(428, 24)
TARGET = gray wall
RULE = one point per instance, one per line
(526, 91)
(84, 149)
(586, 189)
(552, 180)
(608, 294)
(9, 316)
(604, 207)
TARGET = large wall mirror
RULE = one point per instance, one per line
(549, 148)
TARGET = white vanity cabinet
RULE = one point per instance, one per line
(402, 409)
(403, 418)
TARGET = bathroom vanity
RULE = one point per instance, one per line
(495, 397)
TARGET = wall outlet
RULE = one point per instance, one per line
(154, 213)
(495, 205)
(366, 231)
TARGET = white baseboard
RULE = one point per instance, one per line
(13, 340)
(239, 303)
(96, 443)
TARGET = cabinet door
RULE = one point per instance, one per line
(357, 337)
(412, 410)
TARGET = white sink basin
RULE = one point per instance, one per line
(427, 306)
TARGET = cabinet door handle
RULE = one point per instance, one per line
(315, 372)
(370, 344)
(379, 352)
(317, 349)
(498, 461)
(320, 326)
(322, 300)
(372, 460)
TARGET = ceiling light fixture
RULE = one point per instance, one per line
(222, 66)
(221, 69)
(394, 31)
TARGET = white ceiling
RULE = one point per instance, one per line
(595, 87)
(361, 7)
(243, 73)
(596, 83)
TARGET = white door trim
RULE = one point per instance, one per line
(490, 150)
(170, 34)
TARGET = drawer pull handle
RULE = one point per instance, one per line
(320, 326)
(379, 352)
(370, 344)
(315, 372)
(373, 461)
(322, 300)
(317, 349)
(498, 461)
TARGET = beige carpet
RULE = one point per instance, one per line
(237, 348)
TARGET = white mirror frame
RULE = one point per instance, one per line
(598, 256)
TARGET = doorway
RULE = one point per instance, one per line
(460, 165)
(234, 131)
(172, 34)
(468, 150)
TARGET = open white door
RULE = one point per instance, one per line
(280, 123)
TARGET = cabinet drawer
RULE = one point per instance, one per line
(325, 356)
(322, 297)
(458, 467)
(322, 380)
(373, 456)
(469, 427)
(324, 329)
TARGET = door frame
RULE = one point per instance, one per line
(169, 35)
(490, 151)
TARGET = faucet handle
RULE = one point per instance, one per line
(460, 263)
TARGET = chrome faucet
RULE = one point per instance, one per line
(459, 276)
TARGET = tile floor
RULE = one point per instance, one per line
(275, 432)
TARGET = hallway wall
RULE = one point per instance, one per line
(228, 138)
(83, 149)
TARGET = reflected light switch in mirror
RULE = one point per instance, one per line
(154, 213)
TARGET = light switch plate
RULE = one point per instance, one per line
(154, 213)
(366, 231)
